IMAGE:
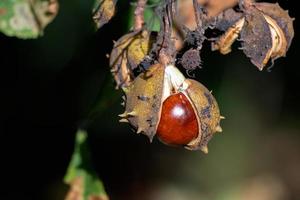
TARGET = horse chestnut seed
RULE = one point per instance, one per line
(178, 124)
(180, 112)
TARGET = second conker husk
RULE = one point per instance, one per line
(180, 111)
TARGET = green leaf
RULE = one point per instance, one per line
(83, 180)
(103, 11)
(26, 19)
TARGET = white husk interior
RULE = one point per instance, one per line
(174, 81)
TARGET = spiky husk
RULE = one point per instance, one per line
(208, 113)
(144, 99)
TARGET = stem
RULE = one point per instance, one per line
(246, 3)
(167, 51)
(197, 14)
(139, 15)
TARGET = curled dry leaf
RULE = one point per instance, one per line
(265, 29)
(103, 11)
(127, 54)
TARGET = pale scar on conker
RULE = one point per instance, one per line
(179, 111)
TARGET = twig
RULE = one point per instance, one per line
(139, 15)
(167, 51)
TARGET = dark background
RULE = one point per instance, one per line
(48, 86)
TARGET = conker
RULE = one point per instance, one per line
(180, 111)
(178, 124)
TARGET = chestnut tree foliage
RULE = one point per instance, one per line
(163, 33)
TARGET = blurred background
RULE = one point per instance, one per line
(49, 85)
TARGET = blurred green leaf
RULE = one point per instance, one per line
(103, 11)
(26, 18)
(83, 180)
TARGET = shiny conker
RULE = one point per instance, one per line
(178, 124)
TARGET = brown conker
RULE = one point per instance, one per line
(178, 124)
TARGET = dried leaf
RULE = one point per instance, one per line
(103, 11)
(83, 181)
(26, 18)
(127, 53)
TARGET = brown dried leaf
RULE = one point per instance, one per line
(103, 11)
(127, 54)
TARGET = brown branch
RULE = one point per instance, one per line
(197, 14)
(167, 49)
(139, 15)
